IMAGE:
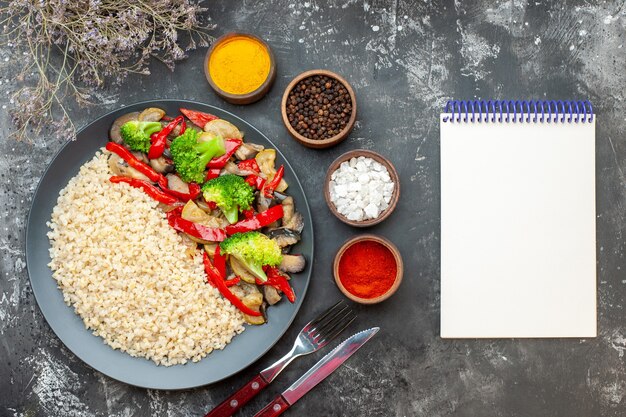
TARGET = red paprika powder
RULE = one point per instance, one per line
(367, 269)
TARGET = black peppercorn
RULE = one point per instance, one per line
(319, 107)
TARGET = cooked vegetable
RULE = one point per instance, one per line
(176, 184)
(291, 218)
(198, 118)
(292, 263)
(114, 132)
(198, 231)
(162, 165)
(270, 186)
(221, 161)
(253, 301)
(284, 237)
(296, 223)
(251, 297)
(160, 139)
(151, 114)
(203, 179)
(266, 160)
(271, 295)
(191, 156)
(212, 173)
(231, 193)
(233, 168)
(136, 134)
(254, 250)
(220, 127)
(249, 165)
(125, 154)
(241, 270)
(214, 277)
(288, 208)
(263, 203)
(257, 221)
(140, 156)
(210, 248)
(119, 167)
(195, 214)
(147, 188)
(255, 181)
(248, 150)
(278, 280)
(219, 261)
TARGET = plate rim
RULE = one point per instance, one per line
(179, 387)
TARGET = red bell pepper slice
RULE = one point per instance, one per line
(277, 280)
(147, 188)
(159, 139)
(218, 280)
(248, 214)
(249, 165)
(231, 282)
(231, 146)
(219, 261)
(271, 186)
(196, 230)
(259, 220)
(198, 118)
(212, 173)
(255, 181)
(211, 204)
(194, 191)
(133, 162)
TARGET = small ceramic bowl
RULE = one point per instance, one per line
(386, 243)
(392, 173)
(319, 143)
(252, 96)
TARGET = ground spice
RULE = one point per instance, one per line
(239, 65)
(367, 269)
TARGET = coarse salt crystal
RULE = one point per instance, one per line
(361, 188)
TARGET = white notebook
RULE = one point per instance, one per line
(518, 237)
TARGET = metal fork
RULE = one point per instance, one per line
(314, 335)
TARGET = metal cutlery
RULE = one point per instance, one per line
(326, 366)
(314, 335)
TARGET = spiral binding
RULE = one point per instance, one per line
(516, 111)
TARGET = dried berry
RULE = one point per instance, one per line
(319, 107)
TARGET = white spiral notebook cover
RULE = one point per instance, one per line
(518, 237)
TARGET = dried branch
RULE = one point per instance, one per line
(70, 49)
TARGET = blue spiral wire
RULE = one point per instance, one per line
(523, 111)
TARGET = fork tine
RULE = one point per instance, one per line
(327, 338)
(339, 324)
(330, 318)
(325, 314)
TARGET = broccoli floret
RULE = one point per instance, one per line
(136, 134)
(191, 155)
(253, 250)
(231, 193)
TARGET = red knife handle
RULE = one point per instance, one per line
(275, 408)
(239, 399)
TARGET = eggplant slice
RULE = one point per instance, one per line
(292, 263)
(271, 295)
(248, 151)
(284, 236)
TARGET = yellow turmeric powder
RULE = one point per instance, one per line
(239, 65)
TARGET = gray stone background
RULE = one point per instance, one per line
(404, 58)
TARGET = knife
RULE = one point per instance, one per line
(317, 373)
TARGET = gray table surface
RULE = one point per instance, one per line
(404, 60)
